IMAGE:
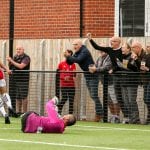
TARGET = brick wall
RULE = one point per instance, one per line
(4, 19)
(99, 17)
(38, 19)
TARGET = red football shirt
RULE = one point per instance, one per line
(66, 79)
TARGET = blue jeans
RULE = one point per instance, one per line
(92, 82)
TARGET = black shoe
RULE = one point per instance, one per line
(135, 121)
(13, 113)
(7, 120)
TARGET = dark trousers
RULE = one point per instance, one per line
(129, 94)
(117, 85)
(147, 99)
(67, 93)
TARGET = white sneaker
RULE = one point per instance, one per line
(125, 121)
(114, 119)
(39, 130)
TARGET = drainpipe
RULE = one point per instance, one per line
(120, 19)
(81, 18)
(105, 98)
(11, 40)
(11, 27)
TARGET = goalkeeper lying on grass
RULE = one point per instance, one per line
(52, 123)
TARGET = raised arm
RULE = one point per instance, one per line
(98, 47)
(83, 55)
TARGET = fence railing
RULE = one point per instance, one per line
(125, 87)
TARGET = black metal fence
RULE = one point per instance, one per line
(130, 92)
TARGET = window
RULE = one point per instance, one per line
(132, 18)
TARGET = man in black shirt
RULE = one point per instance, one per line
(20, 64)
(114, 51)
(115, 54)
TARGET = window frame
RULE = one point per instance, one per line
(118, 19)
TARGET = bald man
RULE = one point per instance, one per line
(115, 53)
(20, 61)
(137, 48)
(143, 62)
(138, 53)
(83, 57)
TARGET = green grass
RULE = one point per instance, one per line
(84, 135)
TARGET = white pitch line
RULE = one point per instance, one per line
(111, 128)
(61, 144)
(91, 128)
(9, 128)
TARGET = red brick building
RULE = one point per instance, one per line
(38, 19)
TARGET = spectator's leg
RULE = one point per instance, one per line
(125, 97)
(18, 106)
(92, 84)
(113, 105)
(24, 105)
(147, 100)
(71, 94)
(64, 95)
(57, 84)
(117, 86)
(132, 92)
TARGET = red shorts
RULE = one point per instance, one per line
(1, 75)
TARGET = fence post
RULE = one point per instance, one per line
(4, 52)
(83, 100)
(105, 97)
(42, 78)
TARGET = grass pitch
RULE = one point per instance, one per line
(82, 136)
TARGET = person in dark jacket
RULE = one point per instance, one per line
(83, 57)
